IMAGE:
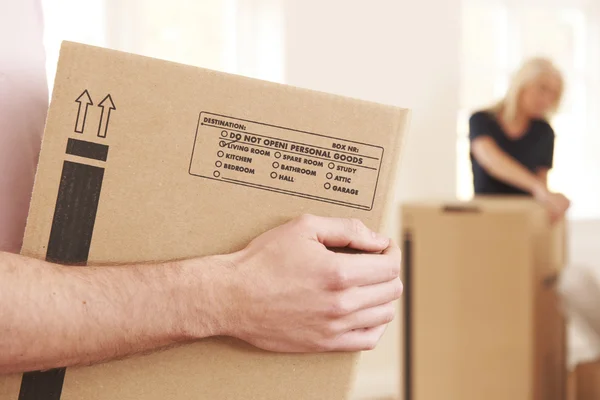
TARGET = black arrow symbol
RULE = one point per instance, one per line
(84, 101)
(105, 116)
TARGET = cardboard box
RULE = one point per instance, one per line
(571, 385)
(587, 381)
(481, 317)
(163, 161)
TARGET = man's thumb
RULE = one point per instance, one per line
(347, 232)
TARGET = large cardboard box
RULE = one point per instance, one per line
(587, 381)
(481, 317)
(147, 160)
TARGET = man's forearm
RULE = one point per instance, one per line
(54, 316)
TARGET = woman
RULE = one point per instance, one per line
(512, 143)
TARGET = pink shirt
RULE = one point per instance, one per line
(23, 107)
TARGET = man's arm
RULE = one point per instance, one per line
(286, 291)
(53, 315)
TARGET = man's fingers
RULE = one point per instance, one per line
(366, 297)
(350, 270)
(393, 251)
(369, 318)
(360, 339)
(344, 232)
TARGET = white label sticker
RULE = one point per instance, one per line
(286, 161)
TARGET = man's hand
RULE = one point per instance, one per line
(557, 204)
(291, 293)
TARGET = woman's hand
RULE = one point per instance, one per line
(557, 204)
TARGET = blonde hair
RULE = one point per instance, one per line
(529, 72)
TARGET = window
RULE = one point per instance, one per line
(243, 37)
(497, 37)
(73, 20)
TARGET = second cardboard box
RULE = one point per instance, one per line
(481, 316)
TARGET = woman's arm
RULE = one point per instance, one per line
(503, 167)
(542, 174)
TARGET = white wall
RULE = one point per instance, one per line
(584, 243)
(399, 52)
(584, 251)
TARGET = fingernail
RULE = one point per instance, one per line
(379, 237)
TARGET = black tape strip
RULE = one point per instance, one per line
(461, 209)
(69, 244)
(408, 332)
(42, 385)
(75, 214)
(82, 148)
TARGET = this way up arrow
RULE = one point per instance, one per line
(107, 106)
(84, 101)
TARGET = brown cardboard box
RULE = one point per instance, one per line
(587, 381)
(571, 385)
(481, 317)
(164, 161)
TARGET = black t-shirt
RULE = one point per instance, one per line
(534, 150)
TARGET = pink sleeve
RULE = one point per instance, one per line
(23, 108)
